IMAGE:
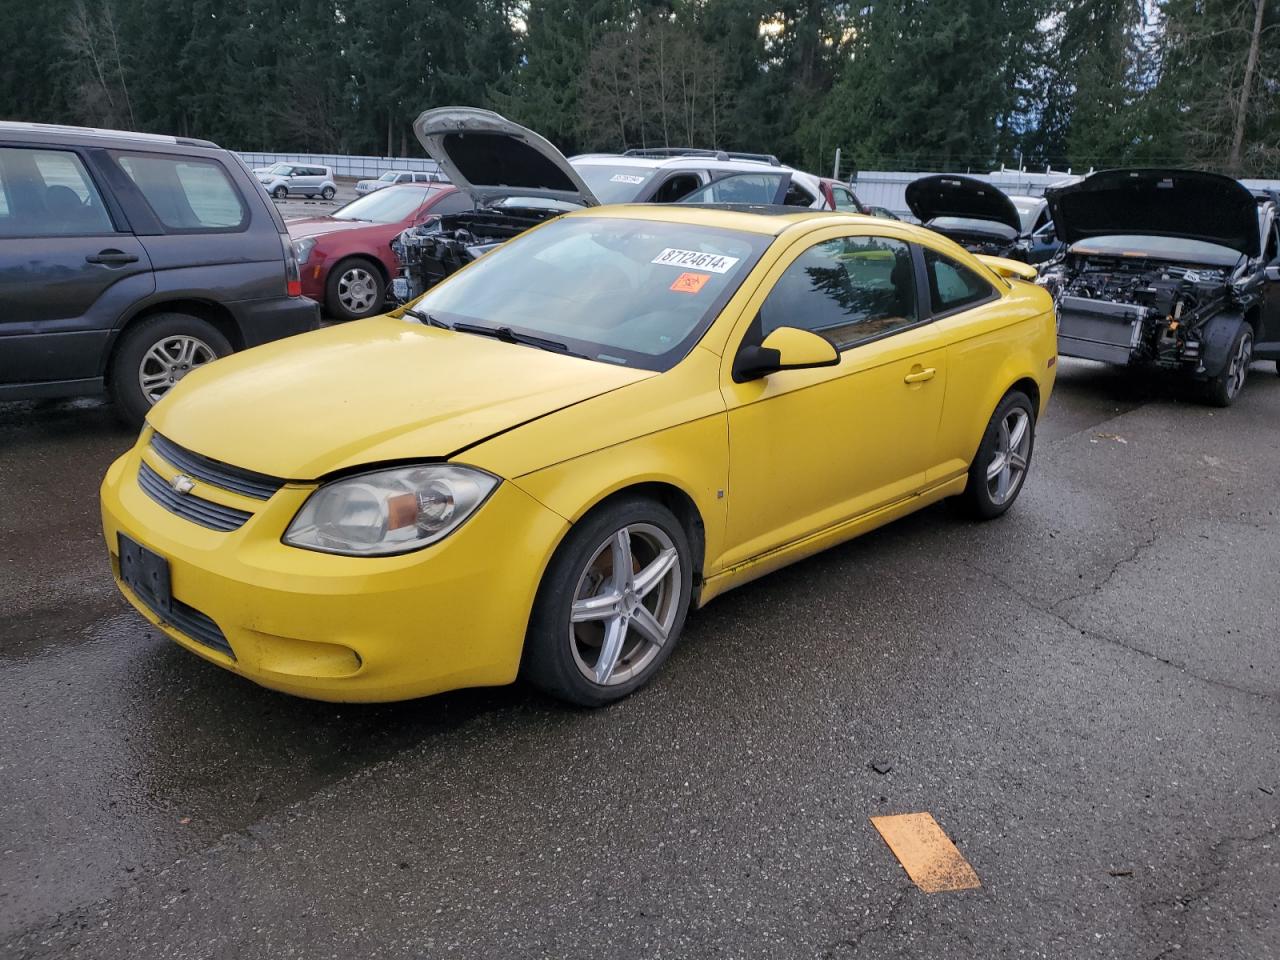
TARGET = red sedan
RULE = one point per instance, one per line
(345, 257)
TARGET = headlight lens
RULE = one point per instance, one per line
(390, 511)
(302, 248)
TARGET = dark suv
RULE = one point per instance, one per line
(127, 259)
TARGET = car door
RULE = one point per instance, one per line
(1270, 336)
(810, 449)
(69, 266)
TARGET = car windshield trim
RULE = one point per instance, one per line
(645, 310)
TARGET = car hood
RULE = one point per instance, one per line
(1189, 204)
(950, 195)
(373, 391)
(490, 157)
(320, 226)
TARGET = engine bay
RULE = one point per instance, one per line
(1121, 309)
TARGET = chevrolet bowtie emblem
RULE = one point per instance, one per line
(182, 484)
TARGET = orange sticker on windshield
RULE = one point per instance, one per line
(690, 282)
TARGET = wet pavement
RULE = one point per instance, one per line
(1084, 694)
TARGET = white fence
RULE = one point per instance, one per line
(361, 167)
(886, 188)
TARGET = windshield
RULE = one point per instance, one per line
(388, 176)
(1160, 248)
(1028, 208)
(281, 169)
(750, 188)
(988, 228)
(614, 184)
(631, 292)
(386, 206)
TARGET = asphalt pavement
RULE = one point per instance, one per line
(1085, 694)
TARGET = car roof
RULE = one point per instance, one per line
(16, 128)
(768, 220)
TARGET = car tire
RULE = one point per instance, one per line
(328, 193)
(155, 354)
(999, 469)
(1224, 389)
(584, 611)
(354, 290)
(280, 193)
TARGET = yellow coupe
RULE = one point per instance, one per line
(540, 465)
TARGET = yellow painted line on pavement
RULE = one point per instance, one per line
(927, 854)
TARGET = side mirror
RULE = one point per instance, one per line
(1273, 273)
(786, 348)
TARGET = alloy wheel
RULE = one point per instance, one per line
(1009, 464)
(356, 289)
(168, 361)
(1238, 369)
(625, 604)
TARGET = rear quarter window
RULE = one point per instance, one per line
(187, 195)
(952, 285)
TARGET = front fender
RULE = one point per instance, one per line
(1215, 351)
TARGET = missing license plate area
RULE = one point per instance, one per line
(146, 573)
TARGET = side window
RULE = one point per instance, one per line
(187, 195)
(953, 285)
(676, 187)
(849, 290)
(844, 199)
(798, 196)
(48, 193)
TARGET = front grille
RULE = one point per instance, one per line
(190, 621)
(196, 509)
(260, 486)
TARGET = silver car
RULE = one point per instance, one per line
(392, 177)
(297, 179)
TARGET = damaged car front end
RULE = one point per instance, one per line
(1162, 268)
(516, 180)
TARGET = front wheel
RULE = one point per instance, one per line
(354, 290)
(155, 355)
(280, 192)
(611, 605)
(1223, 389)
(1000, 468)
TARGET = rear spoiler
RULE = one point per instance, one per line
(1004, 267)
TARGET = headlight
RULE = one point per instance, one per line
(389, 511)
(302, 248)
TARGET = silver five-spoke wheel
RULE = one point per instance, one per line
(1009, 463)
(357, 289)
(625, 605)
(168, 361)
(1238, 368)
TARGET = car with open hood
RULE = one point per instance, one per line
(518, 179)
(983, 218)
(345, 257)
(1170, 268)
(540, 466)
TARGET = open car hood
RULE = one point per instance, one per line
(1188, 204)
(950, 195)
(489, 157)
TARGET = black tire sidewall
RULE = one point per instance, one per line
(977, 497)
(280, 193)
(328, 194)
(1216, 389)
(548, 661)
(131, 405)
(334, 306)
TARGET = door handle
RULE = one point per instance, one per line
(920, 375)
(111, 257)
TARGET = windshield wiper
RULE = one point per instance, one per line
(507, 335)
(428, 319)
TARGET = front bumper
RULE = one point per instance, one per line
(332, 627)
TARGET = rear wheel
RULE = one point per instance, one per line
(1223, 389)
(1000, 468)
(155, 355)
(611, 605)
(354, 290)
(328, 193)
